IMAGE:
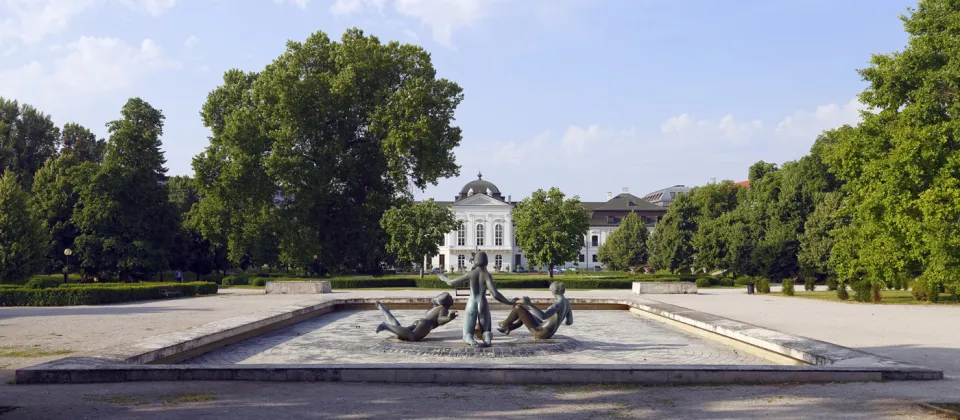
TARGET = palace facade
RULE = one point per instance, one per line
(486, 224)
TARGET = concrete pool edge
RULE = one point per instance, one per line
(149, 359)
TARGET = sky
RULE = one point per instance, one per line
(590, 96)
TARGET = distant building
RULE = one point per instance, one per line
(743, 183)
(485, 223)
(664, 197)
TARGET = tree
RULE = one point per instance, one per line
(80, 142)
(28, 138)
(23, 241)
(816, 243)
(416, 230)
(550, 229)
(320, 144)
(56, 189)
(671, 244)
(626, 246)
(190, 252)
(126, 223)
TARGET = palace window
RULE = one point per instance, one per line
(479, 234)
(581, 258)
(461, 235)
(443, 240)
(595, 240)
(498, 261)
(461, 261)
(594, 257)
(498, 235)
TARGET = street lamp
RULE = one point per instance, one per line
(66, 269)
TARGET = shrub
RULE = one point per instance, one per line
(98, 294)
(727, 282)
(241, 280)
(842, 293)
(762, 285)
(742, 281)
(261, 281)
(809, 284)
(831, 284)
(703, 282)
(787, 287)
(862, 290)
(10, 287)
(43, 282)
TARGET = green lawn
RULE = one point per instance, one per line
(889, 297)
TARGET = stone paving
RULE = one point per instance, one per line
(604, 337)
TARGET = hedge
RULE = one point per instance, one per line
(98, 293)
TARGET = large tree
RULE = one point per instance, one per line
(56, 190)
(627, 245)
(671, 244)
(82, 143)
(550, 227)
(320, 144)
(416, 230)
(125, 220)
(28, 138)
(23, 240)
(190, 252)
(816, 242)
(901, 163)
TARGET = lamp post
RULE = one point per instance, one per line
(66, 266)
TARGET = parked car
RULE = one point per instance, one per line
(557, 270)
(520, 270)
(436, 270)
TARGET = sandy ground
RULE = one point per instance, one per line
(915, 333)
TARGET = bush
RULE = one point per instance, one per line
(703, 282)
(787, 287)
(842, 293)
(742, 281)
(261, 281)
(43, 282)
(831, 284)
(809, 284)
(727, 282)
(762, 285)
(98, 294)
(862, 291)
(241, 280)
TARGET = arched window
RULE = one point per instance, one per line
(461, 261)
(498, 261)
(479, 234)
(595, 240)
(498, 235)
(461, 235)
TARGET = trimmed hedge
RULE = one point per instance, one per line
(98, 293)
(43, 282)
(241, 280)
(787, 287)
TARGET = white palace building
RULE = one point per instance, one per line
(486, 224)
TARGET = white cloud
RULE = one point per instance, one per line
(154, 8)
(31, 21)
(91, 66)
(411, 34)
(299, 3)
(805, 125)
(442, 16)
(191, 42)
(733, 132)
(578, 139)
(515, 154)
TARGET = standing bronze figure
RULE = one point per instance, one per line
(477, 309)
(541, 324)
(439, 315)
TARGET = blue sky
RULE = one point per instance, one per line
(588, 96)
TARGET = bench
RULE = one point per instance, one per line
(456, 290)
(169, 291)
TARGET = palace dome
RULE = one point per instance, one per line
(479, 186)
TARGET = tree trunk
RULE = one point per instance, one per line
(550, 267)
(876, 293)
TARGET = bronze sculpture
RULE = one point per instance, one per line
(541, 324)
(477, 309)
(439, 315)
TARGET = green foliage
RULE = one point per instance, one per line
(842, 293)
(762, 285)
(727, 282)
(787, 287)
(125, 220)
(809, 284)
(550, 229)
(337, 132)
(235, 281)
(81, 144)
(742, 281)
(416, 230)
(43, 282)
(23, 240)
(626, 246)
(831, 284)
(671, 244)
(260, 281)
(98, 294)
(28, 138)
(55, 194)
(703, 282)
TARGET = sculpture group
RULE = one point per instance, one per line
(542, 324)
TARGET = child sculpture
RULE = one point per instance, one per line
(439, 315)
(477, 309)
(541, 324)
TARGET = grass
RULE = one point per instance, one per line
(10, 351)
(166, 399)
(948, 406)
(187, 398)
(889, 297)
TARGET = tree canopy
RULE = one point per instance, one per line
(23, 240)
(627, 246)
(416, 230)
(550, 228)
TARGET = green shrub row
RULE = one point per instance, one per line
(98, 294)
(787, 287)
